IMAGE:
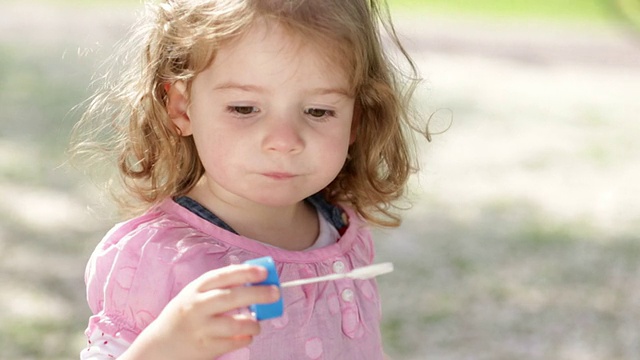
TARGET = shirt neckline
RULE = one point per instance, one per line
(343, 245)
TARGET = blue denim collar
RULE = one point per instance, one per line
(332, 213)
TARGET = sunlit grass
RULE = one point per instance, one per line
(588, 10)
(527, 280)
(39, 339)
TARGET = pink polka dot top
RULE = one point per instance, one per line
(141, 264)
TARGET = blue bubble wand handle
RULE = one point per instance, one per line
(271, 310)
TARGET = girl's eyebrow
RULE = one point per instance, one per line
(259, 89)
(237, 86)
(330, 91)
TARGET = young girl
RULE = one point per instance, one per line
(243, 129)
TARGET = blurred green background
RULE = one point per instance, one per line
(523, 238)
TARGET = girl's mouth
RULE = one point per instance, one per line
(279, 175)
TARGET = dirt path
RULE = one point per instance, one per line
(541, 111)
(526, 42)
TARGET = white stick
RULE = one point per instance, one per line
(365, 272)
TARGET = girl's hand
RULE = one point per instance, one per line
(194, 325)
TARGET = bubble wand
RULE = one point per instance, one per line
(362, 273)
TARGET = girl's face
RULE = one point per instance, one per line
(271, 118)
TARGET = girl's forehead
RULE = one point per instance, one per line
(267, 41)
(291, 39)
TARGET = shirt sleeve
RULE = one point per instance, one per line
(103, 346)
(129, 281)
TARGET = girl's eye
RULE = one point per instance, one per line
(319, 113)
(243, 110)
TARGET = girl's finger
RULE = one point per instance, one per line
(220, 301)
(230, 276)
(236, 326)
(225, 345)
(230, 332)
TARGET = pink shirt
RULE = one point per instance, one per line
(143, 263)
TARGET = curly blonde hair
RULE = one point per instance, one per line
(127, 121)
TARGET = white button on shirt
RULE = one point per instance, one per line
(338, 267)
(347, 295)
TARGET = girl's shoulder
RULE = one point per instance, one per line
(162, 232)
(154, 226)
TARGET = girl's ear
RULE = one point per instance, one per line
(177, 104)
(355, 123)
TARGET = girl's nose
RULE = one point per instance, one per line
(283, 136)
